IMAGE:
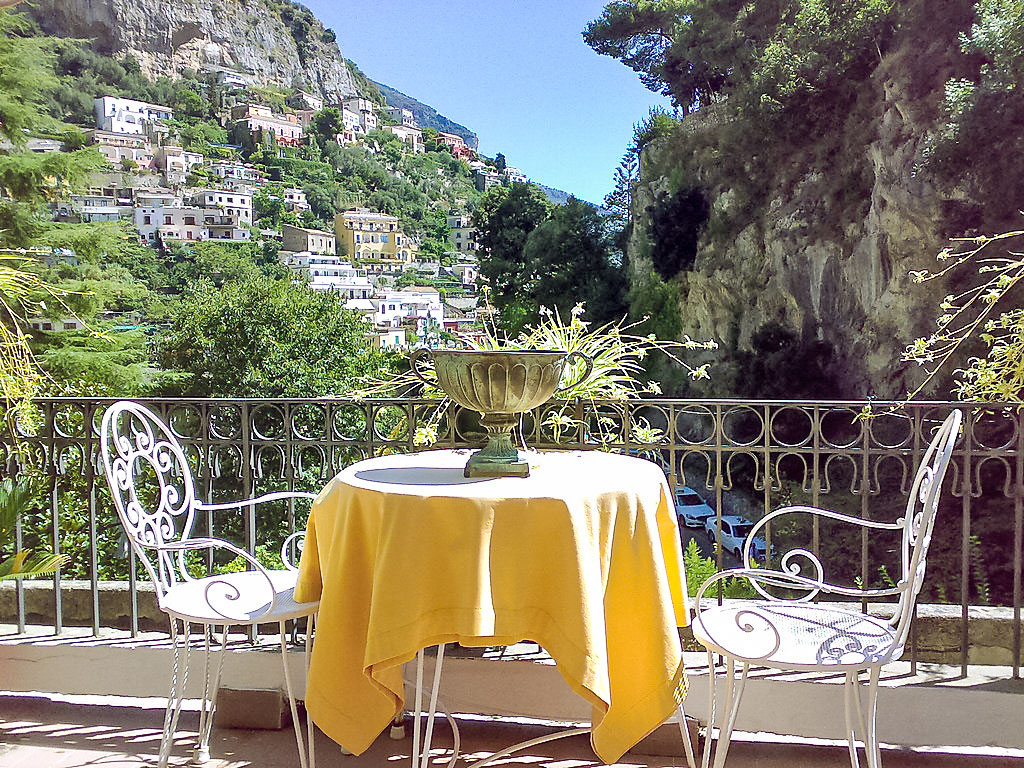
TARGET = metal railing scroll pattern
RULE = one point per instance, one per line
(745, 456)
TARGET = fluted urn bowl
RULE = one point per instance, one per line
(499, 385)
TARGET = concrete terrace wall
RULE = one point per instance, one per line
(990, 629)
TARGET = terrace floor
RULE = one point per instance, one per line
(63, 732)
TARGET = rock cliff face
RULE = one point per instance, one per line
(168, 36)
(830, 269)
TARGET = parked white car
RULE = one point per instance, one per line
(735, 530)
(691, 509)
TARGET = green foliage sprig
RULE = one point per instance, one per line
(617, 355)
(988, 311)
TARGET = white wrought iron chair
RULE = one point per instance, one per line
(154, 492)
(791, 633)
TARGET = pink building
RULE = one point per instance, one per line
(286, 129)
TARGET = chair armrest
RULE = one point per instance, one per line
(220, 593)
(298, 539)
(275, 496)
(791, 580)
(789, 565)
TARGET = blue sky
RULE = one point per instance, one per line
(516, 73)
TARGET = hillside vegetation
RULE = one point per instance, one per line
(819, 152)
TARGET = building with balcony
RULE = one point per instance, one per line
(163, 223)
(175, 163)
(456, 145)
(294, 199)
(485, 179)
(363, 109)
(228, 202)
(467, 274)
(327, 272)
(412, 137)
(119, 115)
(234, 173)
(119, 147)
(373, 240)
(402, 116)
(514, 175)
(306, 100)
(94, 207)
(260, 119)
(462, 234)
(229, 78)
(299, 239)
(419, 309)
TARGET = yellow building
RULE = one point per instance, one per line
(373, 240)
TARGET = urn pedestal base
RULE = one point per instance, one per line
(499, 458)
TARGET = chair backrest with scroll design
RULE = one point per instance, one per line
(152, 486)
(919, 519)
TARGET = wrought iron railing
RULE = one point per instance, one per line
(745, 457)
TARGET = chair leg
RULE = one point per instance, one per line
(177, 691)
(691, 761)
(211, 684)
(310, 725)
(432, 710)
(733, 694)
(306, 760)
(851, 702)
(417, 708)
(706, 757)
(871, 748)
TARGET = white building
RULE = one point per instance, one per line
(234, 172)
(232, 79)
(402, 116)
(117, 147)
(420, 307)
(514, 175)
(412, 137)
(468, 274)
(118, 115)
(294, 199)
(162, 223)
(363, 108)
(228, 202)
(215, 214)
(331, 273)
(175, 163)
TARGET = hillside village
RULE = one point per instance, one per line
(174, 196)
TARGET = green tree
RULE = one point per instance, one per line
(567, 261)
(504, 220)
(259, 337)
(327, 123)
(190, 103)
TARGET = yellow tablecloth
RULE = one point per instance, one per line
(582, 557)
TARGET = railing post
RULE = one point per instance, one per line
(1018, 546)
(965, 541)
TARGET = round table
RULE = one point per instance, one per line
(582, 557)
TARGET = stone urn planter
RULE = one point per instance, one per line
(500, 385)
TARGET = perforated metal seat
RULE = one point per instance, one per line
(802, 636)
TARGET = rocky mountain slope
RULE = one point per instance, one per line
(832, 267)
(272, 42)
